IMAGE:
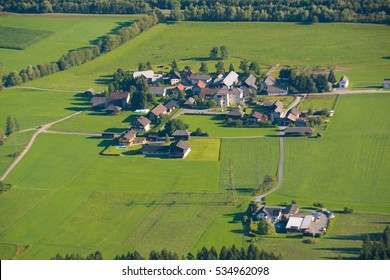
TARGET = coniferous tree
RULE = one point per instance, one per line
(203, 68)
(331, 77)
(174, 65)
(214, 53)
(231, 67)
(220, 67)
(224, 52)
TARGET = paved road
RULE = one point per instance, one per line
(297, 100)
(198, 112)
(43, 128)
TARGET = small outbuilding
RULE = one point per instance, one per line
(344, 82)
(298, 131)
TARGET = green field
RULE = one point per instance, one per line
(318, 102)
(267, 43)
(348, 166)
(20, 38)
(66, 32)
(214, 126)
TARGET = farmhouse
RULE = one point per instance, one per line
(142, 124)
(149, 75)
(298, 131)
(156, 112)
(181, 135)
(158, 91)
(256, 117)
(179, 149)
(119, 98)
(274, 87)
(207, 93)
(386, 83)
(292, 116)
(198, 87)
(275, 214)
(344, 82)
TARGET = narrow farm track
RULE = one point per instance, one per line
(43, 128)
(280, 171)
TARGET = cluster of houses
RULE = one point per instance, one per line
(314, 223)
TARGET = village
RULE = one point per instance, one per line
(229, 95)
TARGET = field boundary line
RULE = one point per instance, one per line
(42, 89)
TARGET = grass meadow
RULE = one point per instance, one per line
(348, 166)
(267, 43)
(318, 102)
(215, 127)
(62, 33)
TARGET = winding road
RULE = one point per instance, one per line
(43, 128)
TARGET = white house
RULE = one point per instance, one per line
(149, 75)
(344, 82)
(386, 83)
(230, 79)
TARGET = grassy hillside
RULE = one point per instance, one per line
(332, 44)
(348, 166)
(64, 33)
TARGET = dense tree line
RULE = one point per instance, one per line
(305, 83)
(93, 256)
(252, 252)
(376, 250)
(80, 56)
(375, 11)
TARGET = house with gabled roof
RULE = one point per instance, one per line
(149, 75)
(195, 78)
(235, 114)
(127, 137)
(190, 103)
(344, 82)
(292, 116)
(230, 79)
(142, 124)
(171, 105)
(179, 149)
(274, 87)
(158, 91)
(181, 134)
(256, 117)
(154, 115)
(174, 77)
(98, 102)
(250, 82)
(113, 110)
(207, 93)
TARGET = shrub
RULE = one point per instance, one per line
(348, 210)
(318, 204)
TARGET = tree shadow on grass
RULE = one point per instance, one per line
(372, 236)
(386, 57)
(103, 80)
(343, 250)
(236, 217)
(130, 118)
(198, 58)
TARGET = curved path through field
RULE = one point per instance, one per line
(280, 170)
(43, 128)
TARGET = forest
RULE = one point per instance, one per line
(372, 11)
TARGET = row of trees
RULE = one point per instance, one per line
(223, 51)
(376, 250)
(80, 56)
(252, 252)
(305, 83)
(375, 11)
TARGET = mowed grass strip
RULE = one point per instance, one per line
(349, 165)
(249, 160)
(204, 149)
(215, 127)
(318, 102)
(7, 251)
(20, 38)
(254, 41)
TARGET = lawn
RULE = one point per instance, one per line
(62, 33)
(318, 102)
(32, 108)
(20, 38)
(250, 161)
(287, 99)
(349, 165)
(215, 127)
(97, 122)
(253, 41)
(204, 149)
